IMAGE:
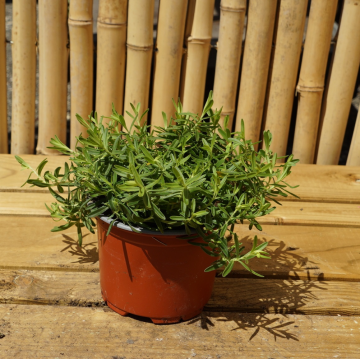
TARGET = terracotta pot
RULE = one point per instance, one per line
(149, 274)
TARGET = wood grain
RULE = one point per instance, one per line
(50, 288)
(298, 252)
(290, 213)
(234, 295)
(317, 183)
(65, 332)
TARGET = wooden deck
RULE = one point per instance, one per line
(308, 305)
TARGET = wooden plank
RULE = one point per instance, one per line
(64, 332)
(290, 213)
(313, 213)
(50, 288)
(326, 183)
(236, 295)
(25, 204)
(298, 252)
(318, 183)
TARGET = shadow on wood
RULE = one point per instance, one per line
(88, 253)
(276, 326)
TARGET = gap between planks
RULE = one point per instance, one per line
(67, 332)
(234, 295)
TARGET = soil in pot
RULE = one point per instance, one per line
(150, 274)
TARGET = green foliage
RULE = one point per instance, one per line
(192, 173)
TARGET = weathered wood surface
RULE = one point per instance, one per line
(65, 332)
(50, 288)
(314, 270)
(339, 184)
(290, 213)
(234, 295)
(298, 252)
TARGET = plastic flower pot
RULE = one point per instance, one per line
(150, 274)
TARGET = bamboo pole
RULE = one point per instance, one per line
(53, 61)
(198, 56)
(232, 19)
(326, 91)
(24, 76)
(81, 64)
(111, 49)
(271, 65)
(3, 102)
(254, 74)
(354, 153)
(288, 44)
(139, 55)
(188, 27)
(312, 77)
(341, 86)
(169, 45)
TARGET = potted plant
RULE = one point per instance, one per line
(166, 202)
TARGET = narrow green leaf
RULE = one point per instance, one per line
(179, 175)
(98, 211)
(41, 166)
(228, 269)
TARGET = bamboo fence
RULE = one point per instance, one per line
(111, 50)
(254, 74)
(169, 52)
(341, 86)
(288, 44)
(139, 55)
(24, 76)
(3, 95)
(53, 61)
(198, 56)
(81, 64)
(263, 95)
(228, 56)
(312, 77)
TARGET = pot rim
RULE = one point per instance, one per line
(141, 230)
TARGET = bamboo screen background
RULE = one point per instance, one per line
(261, 77)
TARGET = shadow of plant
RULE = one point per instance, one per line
(263, 304)
(261, 321)
(273, 325)
(87, 254)
(284, 262)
